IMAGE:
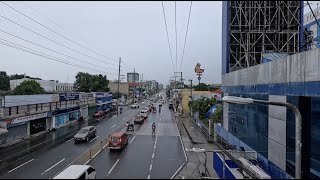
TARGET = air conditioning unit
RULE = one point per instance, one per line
(255, 169)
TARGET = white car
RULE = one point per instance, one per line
(135, 105)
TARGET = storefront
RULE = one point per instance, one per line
(84, 111)
(63, 116)
(24, 126)
(91, 110)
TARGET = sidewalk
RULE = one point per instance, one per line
(193, 138)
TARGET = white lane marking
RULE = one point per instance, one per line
(152, 155)
(20, 166)
(69, 140)
(149, 176)
(94, 138)
(123, 129)
(132, 139)
(154, 146)
(113, 166)
(177, 171)
(113, 126)
(53, 166)
(150, 168)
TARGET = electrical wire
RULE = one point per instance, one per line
(52, 50)
(185, 39)
(165, 21)
(23, 48)
(54, 31)
(53, 40)
(175, 23)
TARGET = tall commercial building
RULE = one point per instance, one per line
(133, 77)
(251, 32)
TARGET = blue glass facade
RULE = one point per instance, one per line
(249, 123)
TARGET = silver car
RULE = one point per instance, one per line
(85, 133)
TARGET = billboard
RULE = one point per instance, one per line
(197, 68)
(68, 96)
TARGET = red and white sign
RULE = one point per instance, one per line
(27, 118)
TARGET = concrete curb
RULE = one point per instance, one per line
(190, 137)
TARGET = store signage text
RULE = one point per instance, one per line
(68, 96)
(26, 118)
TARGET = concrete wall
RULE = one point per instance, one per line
(277, 132)
(302, 67)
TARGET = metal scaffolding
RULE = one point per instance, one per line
(257, 27)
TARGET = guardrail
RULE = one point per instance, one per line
(220, 146)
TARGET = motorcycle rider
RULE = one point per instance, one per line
(153, 126)
(120, 110)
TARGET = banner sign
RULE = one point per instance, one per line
(68, 96)
(26, 118)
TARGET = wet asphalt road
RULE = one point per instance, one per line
(48, 162)
(147, 155)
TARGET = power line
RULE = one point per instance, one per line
(53, 40)
(53, 30)
(175, 23)
(51, 49)
(165, 21)
(32, 51)
(185, 39)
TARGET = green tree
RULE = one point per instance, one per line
(201, 87)
(86, 82)
(28, 88)
(99, 83)
(4, 81)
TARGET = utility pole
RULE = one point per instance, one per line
(134, 83)
(181, 81)
(118, 87)
(191, 95)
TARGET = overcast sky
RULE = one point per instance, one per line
(134, 31)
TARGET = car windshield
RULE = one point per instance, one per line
(83, 131)
(115, 139)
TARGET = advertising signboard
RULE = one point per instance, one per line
(68, 96)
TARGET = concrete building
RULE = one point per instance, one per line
(123, 87)
(47, 85)
(295, 78)
(133, 77)
(25, 115)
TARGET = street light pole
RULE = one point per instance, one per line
(298, 120)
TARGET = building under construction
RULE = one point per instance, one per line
(253, 32)
(253, 28)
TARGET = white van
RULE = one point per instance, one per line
(144, 113)
(77, 172)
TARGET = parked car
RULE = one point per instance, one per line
(118, 140)
(138, 119)
(77, 172)
(134, 105)
(98, 114)
(107, 110)
(85, 133)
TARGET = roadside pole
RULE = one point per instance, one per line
(118, 87)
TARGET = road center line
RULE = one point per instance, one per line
(150, 168)
(132, 139)
(113, 166)
(94, 138)
(53, 166)
(149, 176)
(113, 126)
(20, 165)
(154, 146)
(152, 155)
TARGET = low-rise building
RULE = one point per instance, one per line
(47, 85)
(123, 87)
